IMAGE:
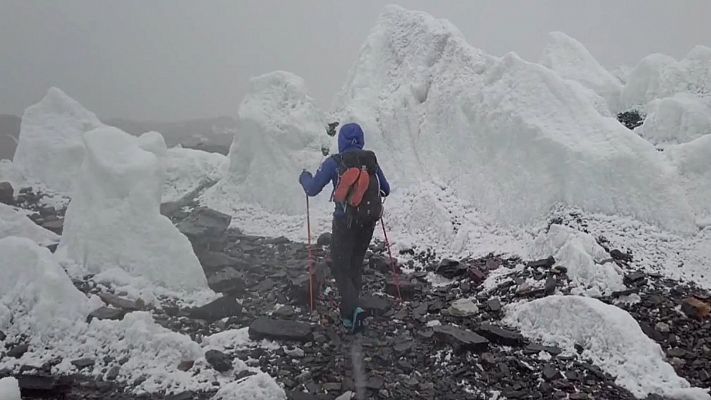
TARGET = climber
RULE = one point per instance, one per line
(358, 188)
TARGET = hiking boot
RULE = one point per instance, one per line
(358, 320)
(348, 324)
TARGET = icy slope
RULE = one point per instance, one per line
(113, 220)
(680, 118)
(50, 148)
(693, 161)
(658, 76)
(14, 222)
(510, 136)
(36, 295)
(610, 337)
(571, 60)
(279, 135)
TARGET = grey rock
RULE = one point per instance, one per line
(204, 222)
(550, 373)
(324, 239)
(549, 287)
(7, 193)
(187, 395)
(107, 313)
(223, 307)
(460, 339)
(267, 328)
(663, 327)
(493, 305)
(2, 336)
(215, 260)
(83, 363)
(120, 302)
(220, 361)
(284, 312)
(374, 383)
(18, 351)
(500, 335)
(228, 281)
(113, 373)
(186, 365)
(55, 226)
(451, 268)
(544, 263)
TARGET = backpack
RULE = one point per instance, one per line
(358, 187)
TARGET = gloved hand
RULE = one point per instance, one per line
(304, 175)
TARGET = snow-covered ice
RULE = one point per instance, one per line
(15, 222)
(583, 257)
(658, 76)
(186, 169)
(677, 119)
(9, 389)
(693, 162)
(610, 338)
(280, 134)
(113, 220)
(36, 295)
(571, 60)
(50, 148)
(510, 136)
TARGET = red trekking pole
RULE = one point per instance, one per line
(393, 263)
(311, 257)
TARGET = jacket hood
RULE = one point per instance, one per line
(350, 137)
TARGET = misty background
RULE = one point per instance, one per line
(181, 64)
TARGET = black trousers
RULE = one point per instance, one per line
(348, 247)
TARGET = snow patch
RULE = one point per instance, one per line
(113, 220)
(50, 147)
(14, 222)
(256, 387)
(610, 337)
(571, 60)
(583, 257)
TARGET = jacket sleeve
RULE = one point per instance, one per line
(384, 185)
(313, 185)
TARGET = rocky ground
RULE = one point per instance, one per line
(437, 342)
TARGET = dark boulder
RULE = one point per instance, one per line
(223, 307)
(267, 328)
(460, 339)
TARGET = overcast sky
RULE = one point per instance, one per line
(169, 60)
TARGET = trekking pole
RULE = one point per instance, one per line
(396, 275)
(311, 256)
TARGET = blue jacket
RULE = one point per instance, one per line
(350, 138)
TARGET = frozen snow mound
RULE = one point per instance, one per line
(187, 169)
(680, 118)
(113, 220)
(37, 298)
(14, 222)
(610, 337)
(153, 142)
(693, 161)
(279, 135)
(589, 265)
(510, 136)
(256, 387)
(658, 76)
(9, 389)
(571, 60)
(50, 148)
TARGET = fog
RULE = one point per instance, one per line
(175, 60)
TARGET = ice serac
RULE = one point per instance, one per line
(279, 135)
(509, 136)
(658, 76)
(610, 338)
(571, 60)
(36, 295)
(50, 148)
(14, 222)
(680, 118)
(693, 161)
(186, 169)
(113, 220)
(9, 389)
